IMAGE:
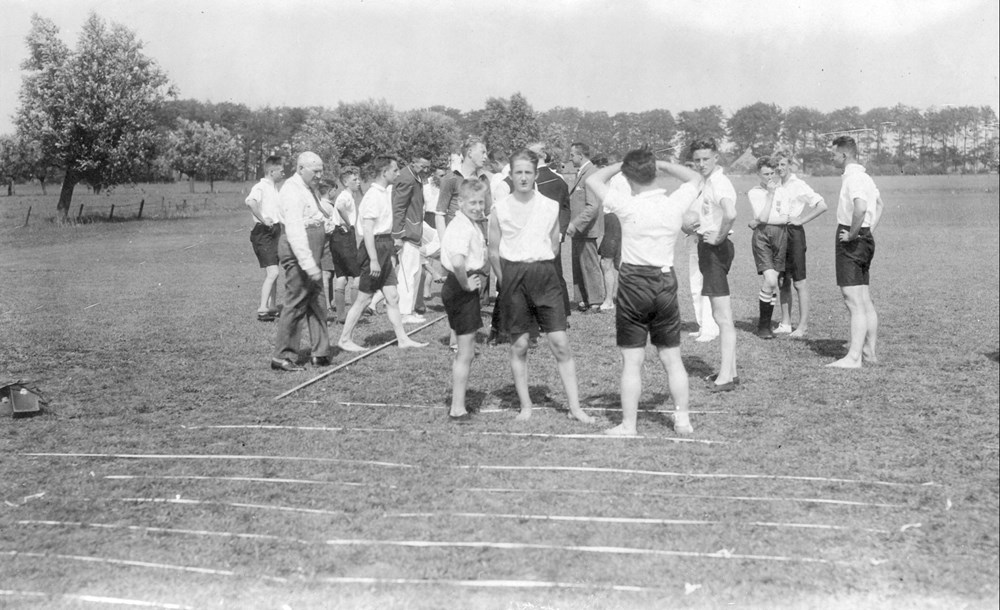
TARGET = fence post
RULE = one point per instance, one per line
(141, 203)
(112, 214)
(28, 216)
(163, 205)
(80, 212)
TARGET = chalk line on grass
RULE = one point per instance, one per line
(475, 544)
(510, 410)
(516, 490)
(97, 599)
(486, 584)
(396, 430)
(512, 516)
(119, 562)
(89, 306)
(199, 456)
(656, 473)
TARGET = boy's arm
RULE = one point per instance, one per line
(368, 226)
(253, 202)
(814, 211)
(728, 219)
(598, 181)
(681, 172)
(857, 218)
(493, 247)
(468, 284)
(879, 208)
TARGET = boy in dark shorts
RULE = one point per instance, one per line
(647, 287)
(769, 240)
(344, 241)
(263, 202)
(523, 240)
(375, 256)
(716, 214)
(463, 254)
(859, 210)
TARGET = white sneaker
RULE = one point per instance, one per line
(414, 318)
(705, 338)
(783, 329)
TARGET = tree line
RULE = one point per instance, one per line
(105, 114)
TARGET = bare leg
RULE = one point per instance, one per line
(785, 300)
(460, 373)
(396, 319)
(802, 291)
(346, 341)
(722, 311)
(632, 358)
(871, 334)
(610, 283)
(268, 290)
(339, 297)
(559, 344)
(519, 369)
(677, 379)
(854, 299)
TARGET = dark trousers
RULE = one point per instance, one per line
(587, 273)
(303, 300)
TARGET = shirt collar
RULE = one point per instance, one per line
(376, 185)
(854, 168)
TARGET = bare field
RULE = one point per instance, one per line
(164, 471)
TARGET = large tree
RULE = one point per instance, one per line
(701, 123)
(509, 124)
(756, 127)
(204, 150)
(92, 110)
(429, 131)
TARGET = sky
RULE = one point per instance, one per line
(611, 55)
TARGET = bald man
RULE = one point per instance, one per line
(299, 250)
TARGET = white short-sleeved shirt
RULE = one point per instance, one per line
(431, 195)
(715, 188)
(346, 208)
(651, 222)
(618, 189)
(799, 195)
(377, 205)
(526, 228)
(266, 194)
(758, 196)
(856, 184)
(463, 238)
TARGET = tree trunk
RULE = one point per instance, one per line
(191, 183)
(211, 185)
(41, 180)
(66, 193)
(10, 187)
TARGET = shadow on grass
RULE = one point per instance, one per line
(689, 327)
(750, 327)
(539, 395)
(828, 348)
(697, 367)
(994, 356)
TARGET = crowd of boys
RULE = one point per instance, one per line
(509, 226)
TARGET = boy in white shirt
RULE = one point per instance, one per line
(523, 240)
(651, 222)
(463, 254)
(264, 205)
(377, 271)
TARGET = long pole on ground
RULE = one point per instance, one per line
(353, 360)
(27, 216)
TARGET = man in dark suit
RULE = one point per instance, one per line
(407, 230)
(586, 228)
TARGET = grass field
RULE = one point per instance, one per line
(163, 471)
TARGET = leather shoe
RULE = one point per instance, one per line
(320, 360)
(285, 365)
(464, 418)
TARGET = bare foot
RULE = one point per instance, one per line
(410, 343)
(846, 363)
(350, 346)
(682, 424)
(619, 430)
(798, 333)
(524, 415)
(581, 416)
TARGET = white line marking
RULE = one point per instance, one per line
(485, 584)
(89, 306)
(196, 456)
(518, 517)
(656, 473)
(513, 490)
(475, 544)
(120, 562)
(510, 410)
(97, 599)
(395, 430)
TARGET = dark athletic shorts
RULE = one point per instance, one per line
(795, 261)
(770, 247)
(854, 258)
(462, 307)
(344, 250)
(265, 243)
(714, 263)
(647, 307)
(385, 250)
(431, 219)
(611, 245)
(531, 295)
